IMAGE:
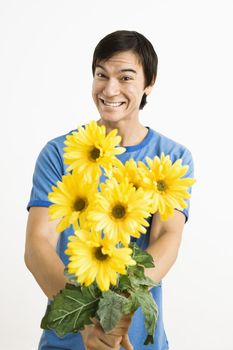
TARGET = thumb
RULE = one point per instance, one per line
(126, 342)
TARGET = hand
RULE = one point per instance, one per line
(122, 329)
(94, 338)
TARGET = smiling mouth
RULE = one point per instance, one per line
(111, 104)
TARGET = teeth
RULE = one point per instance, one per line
(112, 104)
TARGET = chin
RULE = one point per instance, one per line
(111, 118)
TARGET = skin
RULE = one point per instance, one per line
(110, 84)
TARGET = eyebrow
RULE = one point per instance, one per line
(120, 71)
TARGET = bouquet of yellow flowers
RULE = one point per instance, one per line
(108, 202)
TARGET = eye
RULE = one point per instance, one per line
(100, 75)
(126, 78)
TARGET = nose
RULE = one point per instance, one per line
(111, 88)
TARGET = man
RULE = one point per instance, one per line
(124, 72)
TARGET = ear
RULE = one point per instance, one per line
(149, 88)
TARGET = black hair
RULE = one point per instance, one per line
(125, 40)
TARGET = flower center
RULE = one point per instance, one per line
(80, 204)
(161, 185)
(118, 211)
(95, 153)
(99, 255)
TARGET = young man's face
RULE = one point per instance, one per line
(118, 87)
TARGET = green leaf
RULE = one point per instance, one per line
(44, 322)
(71, 309)
(150, 312)
(123, 284)
(111, 309)
(137, 278)
(136, 270)
(141, 257)
(141, 282)
(132, 305)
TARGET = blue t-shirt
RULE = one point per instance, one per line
(48, 170)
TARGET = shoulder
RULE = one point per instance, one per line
(161, 143)
(51, 155)
(58, 142)
(55, 145)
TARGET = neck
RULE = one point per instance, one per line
(132, 133)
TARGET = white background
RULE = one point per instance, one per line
(45, 90)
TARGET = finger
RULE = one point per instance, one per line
(111, 340)
(97, 344)
(122, 327)
(119, 330)
(100, 344)
(124, 321)
(126, 343)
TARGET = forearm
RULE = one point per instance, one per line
(164, 251)
(46, 266)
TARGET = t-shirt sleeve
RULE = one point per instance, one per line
(187, 159)
(49, 169)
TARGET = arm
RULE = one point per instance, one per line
(165, 240)
(48, 269)
(40, 252)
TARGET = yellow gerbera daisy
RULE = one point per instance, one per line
(130, 171)
(72, 200)
(165, 183)
(90, 148)
(120, 210)
(95, 258)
